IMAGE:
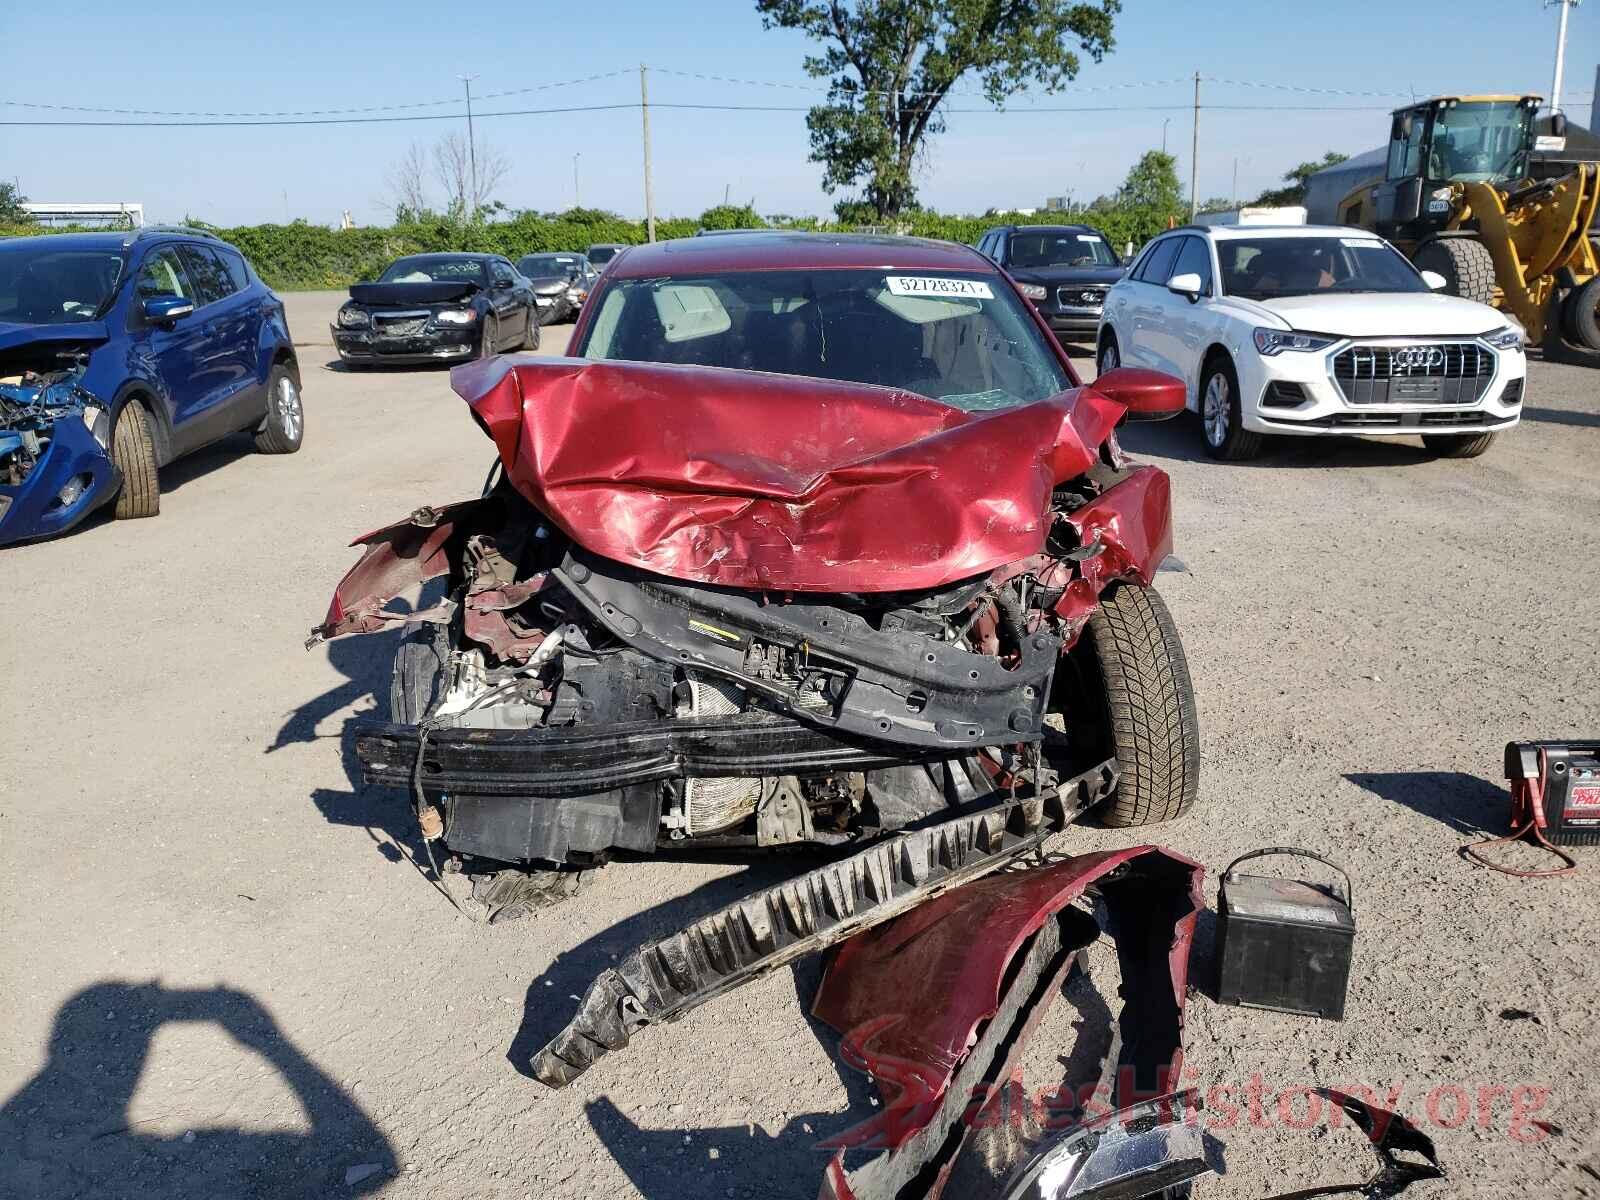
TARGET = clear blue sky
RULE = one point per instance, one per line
(295, 55)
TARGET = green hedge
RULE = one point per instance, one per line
(300, 256)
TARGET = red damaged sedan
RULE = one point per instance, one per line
(813, 539)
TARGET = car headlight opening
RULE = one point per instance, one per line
(1033, 291)
(455, 316)
(354, 318)
(1511, 337)
(1276, 341)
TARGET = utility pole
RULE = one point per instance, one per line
(577, 201)
(1561, 52)
(1234, 195)
(727, 191)
(472, 150)
(1194, 154)
(1164, 123)
(649, 194)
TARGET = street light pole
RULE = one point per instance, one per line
(649, 191)
(1194, 154)
(577, 200)
(472, 150)
(1561, 52)
(1165, 122)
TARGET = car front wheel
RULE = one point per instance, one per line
(133, 453)
(1148, 706)
(1457, 445)
(1221, 420)
(1109, 358)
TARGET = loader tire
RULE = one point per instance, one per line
(133, 452)
(1149, 699)
(1465, 263)
(1581, 315)
(418, 674)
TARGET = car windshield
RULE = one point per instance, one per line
(1270, 268)
(545, 266)
(599, 255)
(438, 270)
(51, 285)
(1059, 248)
(963, 339)
(1479, 142)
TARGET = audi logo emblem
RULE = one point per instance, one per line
(1417, 358)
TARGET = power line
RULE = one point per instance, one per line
(312, 112)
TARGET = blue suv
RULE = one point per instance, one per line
(122, 352)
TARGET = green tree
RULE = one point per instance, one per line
(731, 216)
(11, 202)
(891, 63)
(1297, 179)
(1152, 183)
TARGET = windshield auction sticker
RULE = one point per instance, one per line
(921, 285)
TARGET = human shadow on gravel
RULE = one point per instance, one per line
(68, 1132)
(1466, 803)
(1180, 440)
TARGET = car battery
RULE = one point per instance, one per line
(1565, 776)
(1284, 944)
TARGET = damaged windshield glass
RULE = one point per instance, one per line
(48, 285)
(961, 339)
(436, 270)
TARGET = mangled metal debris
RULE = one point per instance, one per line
(54, 460)
(938, 1005)
(666, 978)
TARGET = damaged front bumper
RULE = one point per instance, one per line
(55, 470)
(662, 980)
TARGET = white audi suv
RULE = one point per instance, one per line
(1313, 330)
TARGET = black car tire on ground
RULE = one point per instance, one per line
(530, 336)
(1149, 698)
(133, 452)
(1235, 442)
(489, 343)
(418, 673)
(285, 424)
(1581, 314)
(1465, 263)
(1457, 445)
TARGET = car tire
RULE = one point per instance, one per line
(1110, 357)
(1457, 445)
(1465, 263)
(1581, 315)
(1221, 418)
(1149, 702)
(418, 674)
(133, 453)
(285, 424)
(530, 336)
(489, 342)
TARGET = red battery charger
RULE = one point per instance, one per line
(1555, 796)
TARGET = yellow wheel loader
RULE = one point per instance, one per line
(1459, 190)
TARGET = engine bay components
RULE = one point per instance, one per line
(54, 460)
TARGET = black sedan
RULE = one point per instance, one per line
(561, 281)
(438, 308)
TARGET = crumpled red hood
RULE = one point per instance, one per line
(752, 480)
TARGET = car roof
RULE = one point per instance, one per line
(1227, 232)
(1048, 228)
(791, 250)
(441, 254)
(76, 241)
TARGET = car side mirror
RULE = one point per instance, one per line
(164, 310)
(1435, 281)
(1147, 395)
(1187, 284)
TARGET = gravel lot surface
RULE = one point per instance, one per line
(221, 976)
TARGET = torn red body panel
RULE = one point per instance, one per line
(398, 557)
(1132, 523)
(776, 482)
(912, 997)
